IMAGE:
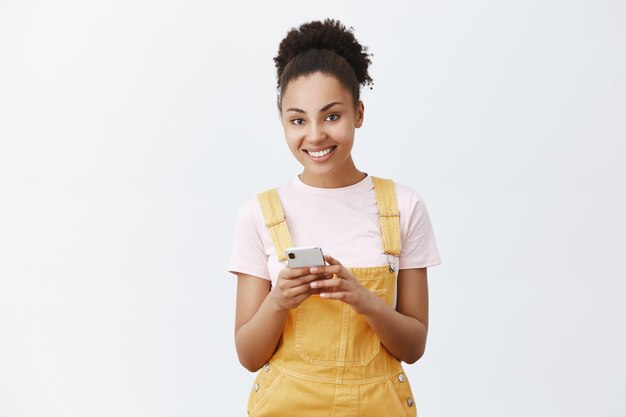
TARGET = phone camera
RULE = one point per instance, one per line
(292, 255)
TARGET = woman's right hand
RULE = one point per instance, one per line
(293, 287)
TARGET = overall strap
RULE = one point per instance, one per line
(389, 214)
(275, 221)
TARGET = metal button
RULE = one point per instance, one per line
(266, 367)
(255, 387)
(401, 378)
(410, 402)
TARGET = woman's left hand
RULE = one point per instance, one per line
(342, 286)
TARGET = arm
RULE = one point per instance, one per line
(402, 331)
(261, 314)
(258, 323)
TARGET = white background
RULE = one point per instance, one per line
(131, 131)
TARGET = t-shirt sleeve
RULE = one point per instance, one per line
(419, 247)
(248, 254)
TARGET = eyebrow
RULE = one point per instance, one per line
(323, 109)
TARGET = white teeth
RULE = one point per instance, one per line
(320, 153)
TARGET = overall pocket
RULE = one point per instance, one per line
(404, 399)
(330, 332)
(265, 383)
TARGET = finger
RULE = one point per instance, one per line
(327, 283)
(338, 295)
(303, 280)
(315, 291)
(299, 300)
(291, 273)
(294, 292)
(331, 260)
(328, 269)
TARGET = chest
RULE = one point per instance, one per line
(347, 229)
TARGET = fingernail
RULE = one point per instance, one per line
(314, 285)
(314, 269)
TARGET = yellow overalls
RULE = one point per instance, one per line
(329, 362)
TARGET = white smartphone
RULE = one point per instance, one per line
(305, 256)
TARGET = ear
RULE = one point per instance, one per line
(360, 114)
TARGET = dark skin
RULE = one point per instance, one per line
(313, 127)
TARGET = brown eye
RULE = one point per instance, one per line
(332, 117)
(297, 121)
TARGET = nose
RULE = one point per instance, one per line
(316, 133)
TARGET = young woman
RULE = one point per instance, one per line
(329, 340)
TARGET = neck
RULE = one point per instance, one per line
(348, 175)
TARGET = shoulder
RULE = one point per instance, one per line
(407, 196)
(249, 215)
(250, 210)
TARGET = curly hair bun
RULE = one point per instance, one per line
(329, 35)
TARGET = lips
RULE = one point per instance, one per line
(321, 152)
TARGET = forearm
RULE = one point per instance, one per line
(256, 340)
(403, 336)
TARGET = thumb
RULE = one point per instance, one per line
(331, 260)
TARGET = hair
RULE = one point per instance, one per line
(326, 47)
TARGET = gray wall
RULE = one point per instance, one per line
(130, 133)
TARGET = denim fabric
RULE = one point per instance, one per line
(329, 361)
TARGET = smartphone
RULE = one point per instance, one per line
(305, 256)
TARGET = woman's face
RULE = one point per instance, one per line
(319, 120)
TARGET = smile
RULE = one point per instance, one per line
(319, 154)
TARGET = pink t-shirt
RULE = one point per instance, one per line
(342, 221)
